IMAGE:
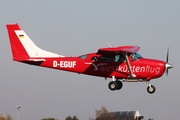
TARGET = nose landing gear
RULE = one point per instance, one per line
(151, 88)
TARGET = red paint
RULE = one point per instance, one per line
(17, 48)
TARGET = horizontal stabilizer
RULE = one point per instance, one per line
(32, 61)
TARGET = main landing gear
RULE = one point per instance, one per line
(115, 85)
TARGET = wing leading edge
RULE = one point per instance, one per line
(115, 50)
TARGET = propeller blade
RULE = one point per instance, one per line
(167, 57)
(168, 66)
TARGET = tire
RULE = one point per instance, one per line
(120, 85)
(151, 89)
(113, 85)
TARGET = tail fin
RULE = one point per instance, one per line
(22, 47)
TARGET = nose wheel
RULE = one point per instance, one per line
(151, 89)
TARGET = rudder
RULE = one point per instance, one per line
(18, 51)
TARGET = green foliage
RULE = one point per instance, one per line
(71, 118)
(48, 119)
(75, 118)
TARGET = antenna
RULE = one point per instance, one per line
(69, 53)
(110, 45)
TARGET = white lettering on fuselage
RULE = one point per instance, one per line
(136, 69)
(64, 64)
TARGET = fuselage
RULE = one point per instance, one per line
(106, 66)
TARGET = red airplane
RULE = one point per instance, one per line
(122, 64)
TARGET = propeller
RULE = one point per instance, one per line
(168, 65)
(167, 57)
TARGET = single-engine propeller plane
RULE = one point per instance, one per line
(122, 64)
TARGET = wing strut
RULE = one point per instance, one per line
(129, 67)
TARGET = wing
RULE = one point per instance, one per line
(116, 50)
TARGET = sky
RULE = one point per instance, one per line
(73, 28)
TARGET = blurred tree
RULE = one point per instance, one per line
(2, 117)
(68, 118)
(49, 119)
(75, 118)
(7, 117)
(102, 110)
(99, 112)
(71, 118)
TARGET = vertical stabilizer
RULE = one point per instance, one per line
(23, 47)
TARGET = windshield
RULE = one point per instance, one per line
(83, 56)
(135, 56)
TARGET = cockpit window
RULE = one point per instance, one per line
(119, 58)
(105, 58)
(112, 58)
(83, 56)
(94, 59)
(135, 56)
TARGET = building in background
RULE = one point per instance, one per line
(120, 115)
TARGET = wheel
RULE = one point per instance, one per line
(113, 85)
(120, 85)
(151, 89)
